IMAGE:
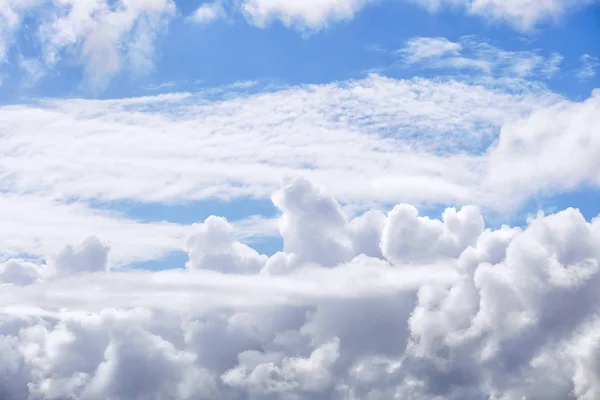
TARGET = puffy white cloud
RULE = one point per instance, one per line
(90, 256)
(458, 312)
(305, 14)
(243, 145)
(519, 164)
(266, 376)
(19, 272)
(99, 30)
(522, 14)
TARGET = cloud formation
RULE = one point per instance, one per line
(474, 54)
(447, 309)
(377, 140)
(208, 12)
(524, 15)
(589, 67)
(402, 133)
(103, 36)
(107, 37)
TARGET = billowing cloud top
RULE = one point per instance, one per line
(378, 306)
(299, 199)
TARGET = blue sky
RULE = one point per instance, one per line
(226, 54)
(300, 199)
(232, 49)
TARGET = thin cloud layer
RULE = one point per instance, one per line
(373, 139)
(483, 318)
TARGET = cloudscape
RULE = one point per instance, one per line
(299, 199)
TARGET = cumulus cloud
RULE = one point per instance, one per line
(213, 245)
(90, 256)
(494, 143)
(522, 14)
(457, 311)
(19, 272)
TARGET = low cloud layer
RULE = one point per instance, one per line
(381, 306)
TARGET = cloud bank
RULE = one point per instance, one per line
(523, 15)
(392, 305)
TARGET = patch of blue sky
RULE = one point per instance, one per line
(190, 212)
(585, 198)
(173, 260)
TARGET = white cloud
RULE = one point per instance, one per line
(589, 67)
(517, 305)
(19, 272)
(536, 154)
(409, 238)
(91, 256)
(98, 30)
(11, 15)
(374, 139)
(104, 36)
(370, 141)
(522, 14)
(305, 14)
(208, 12)
(213, 245)
(40, 227)
(474, 54)
(423, 48)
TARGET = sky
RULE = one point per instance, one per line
(299, 199)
